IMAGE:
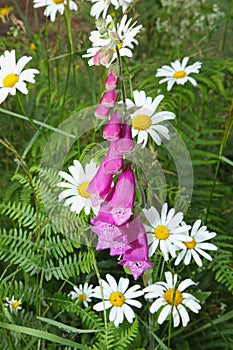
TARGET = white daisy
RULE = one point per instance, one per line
(83, 293)
(196, 246)
(118, 298)
(54, 6)
(76, 186)
(171, 299)
(12, 77)
(178, 73)
(124, 35)
(13, 303)
(100, 6)
(145, 120)
(121, 3)
(165, 231)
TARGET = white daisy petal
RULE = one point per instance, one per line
(185, 284)
(176, 317)
(112, 282)
(164, 313)
(129, 314)
(184, 315)
(53, 8)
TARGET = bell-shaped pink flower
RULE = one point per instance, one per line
(113, 162)
(125, 143)
(112, 129)
(136, 257)
(111, 81)
(102, 111)
(100, 185)
(109, 98)
(117, 207)
(111, 237)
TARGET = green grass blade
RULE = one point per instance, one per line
(20, 116)
(43, 335)
(65, 327)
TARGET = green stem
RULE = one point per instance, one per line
(121, 77)
(101, 291)
(129, 75)
(223, 41)
(48, 68)
(71, 44)
(226, 134)
(20, 102)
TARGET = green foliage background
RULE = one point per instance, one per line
(40, 258)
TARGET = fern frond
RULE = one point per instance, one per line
(126, 337)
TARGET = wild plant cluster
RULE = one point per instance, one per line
(116, 197)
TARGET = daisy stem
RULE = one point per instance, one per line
(101, 288)
(121, 76)
(20, 102)
(129, 75)
(226, 134)
(70, 38)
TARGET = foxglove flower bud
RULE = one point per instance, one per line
(109, 98)
(106, 55)
(125, 143)
(111, 81)
(113, 161)
(102, 111)
(100, 184)
(113, 128)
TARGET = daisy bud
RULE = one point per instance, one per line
(112, 81)
(125, 143)
(109, 98)
(113, 128)
(102, 111)
(100, 23)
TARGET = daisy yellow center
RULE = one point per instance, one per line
(58, 1)
(10, 80)
(82, 189)
(141, 122)
(179, 74)
(190, 245)
(4, 11)
(173, 297)
(119, 47)
(15, 304)
(161, 232)
(82, 297)
(117, 299)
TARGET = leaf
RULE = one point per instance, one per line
(66, 327)
(43, 335)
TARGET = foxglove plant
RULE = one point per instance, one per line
(139, 240)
